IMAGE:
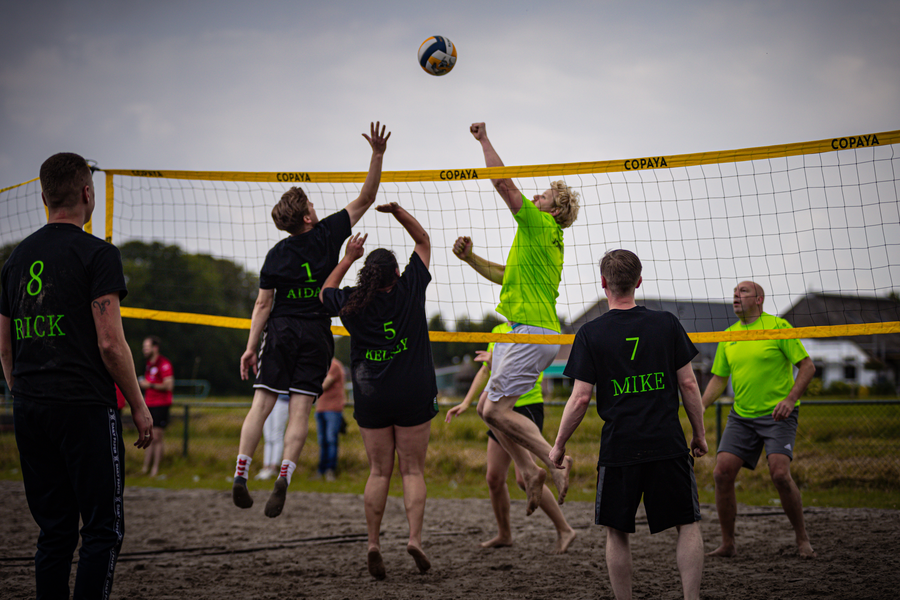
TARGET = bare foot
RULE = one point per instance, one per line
(563, 541)
(534, 489)
(376, 564)
(806, 550)
(724, 551)
(422, 561)
(498, 542)
(561, 479)
(240, 495)
(276, 501)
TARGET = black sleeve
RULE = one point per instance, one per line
(581, 364)
(685, 351)
(108, 276)
(334, 299)
(416, 275)
(338, 224)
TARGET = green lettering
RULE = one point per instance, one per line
(19, 332)
(35, 278)
(28, 327)
(635, 340)
(646, 383)
(659, 381)
(619, 390)
(309, 277)
(291, 295)
(36, 332)
(55, 325)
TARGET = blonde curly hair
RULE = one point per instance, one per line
(566, 201)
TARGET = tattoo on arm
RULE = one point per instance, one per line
(101, 306)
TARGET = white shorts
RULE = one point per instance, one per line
(516, 367)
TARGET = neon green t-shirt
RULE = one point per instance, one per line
(534, 395)
(533, 270)
(762, 371)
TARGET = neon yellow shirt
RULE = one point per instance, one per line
(533, 270)
(534, 395)
(762, 371)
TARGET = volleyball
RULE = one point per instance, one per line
(437, 55)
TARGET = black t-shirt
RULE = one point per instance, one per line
(296, 267)
(632, 356)
(390, 352)
(49, 282)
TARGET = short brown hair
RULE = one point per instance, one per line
(154, 341)
(289, 212)
(63, 176)
(566, 202)
(622, 270)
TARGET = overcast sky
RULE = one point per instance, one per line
(289, 86)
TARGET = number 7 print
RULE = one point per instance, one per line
(635, 340)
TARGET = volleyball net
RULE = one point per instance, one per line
(814, 217)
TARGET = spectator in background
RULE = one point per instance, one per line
(329, 418)
(158, 382)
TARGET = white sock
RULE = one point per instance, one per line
(243, 466)
(287, 469)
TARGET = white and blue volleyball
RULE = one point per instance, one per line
(437, 55)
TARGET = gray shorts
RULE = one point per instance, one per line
(516, 367)
(745, 438)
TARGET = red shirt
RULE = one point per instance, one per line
(333, 399)
(120, 398)
(156, 372)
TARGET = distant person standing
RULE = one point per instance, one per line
(273, 438)
(329, 418)
(157, 382)
(63, 352)
(765, 413)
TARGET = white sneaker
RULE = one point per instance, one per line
(265, 474)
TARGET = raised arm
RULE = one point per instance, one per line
(491, 271)
(354, 252)
(413, 227)
(118, 361)
(261, 309)
(690, 397)
(505, 187)
(357, 208)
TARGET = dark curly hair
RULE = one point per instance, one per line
(378, 272)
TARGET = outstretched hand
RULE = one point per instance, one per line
(478, 130)
(390, 207)
(462, 247)
(355, 248)
(377, 139)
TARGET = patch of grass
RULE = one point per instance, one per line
(847, 456)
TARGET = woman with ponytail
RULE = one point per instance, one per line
(394, 387)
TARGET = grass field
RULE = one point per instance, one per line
(847, 456)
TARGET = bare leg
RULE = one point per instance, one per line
(294, 438)
(565, 535)
(791, 501)
(412, 445)
(157, 449)
(251, 432)
(297, 426)
(727, 468)
(498, 461)
(520, 430)
(533, 476)
(689, 555)
(618, 563)
(379, 445)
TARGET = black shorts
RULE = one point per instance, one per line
(534, 412)
(401, 412)
(160, 415)
(668, 487)
(294, 356)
